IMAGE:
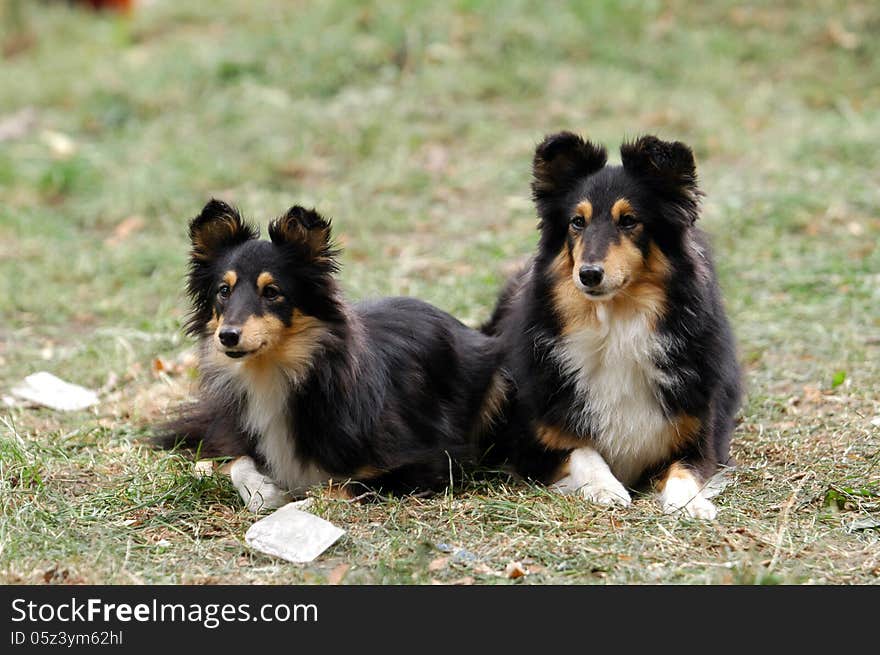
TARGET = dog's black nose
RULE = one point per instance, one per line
(229, 336)
(591, 275)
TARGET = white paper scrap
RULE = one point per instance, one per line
(45, 389)
(203, 468)
(292, 534)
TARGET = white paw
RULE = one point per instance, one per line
(684, 494)
(698, 508)
(256, 490)
(590, 476)
(701, 508)
(606, 492)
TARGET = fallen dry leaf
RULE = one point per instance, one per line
(162, 366)
(337, 574)
(54, 575)
(515, 570)
(840, 36)
(812, 394)
(124, 230)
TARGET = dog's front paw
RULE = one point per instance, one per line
(701, 508)
(685, 496)
(698, 508)
(602, 492)
(257, 491)
(589, 476)
(606, 492)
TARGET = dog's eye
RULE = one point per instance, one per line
(224, 291)
(271, 292)
(627, 222)
(578, 222)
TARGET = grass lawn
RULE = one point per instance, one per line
(413, 128)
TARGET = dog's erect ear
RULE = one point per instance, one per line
(668, 164)
(218, 227)
(669, 168)
(305, 228)
(561, 160)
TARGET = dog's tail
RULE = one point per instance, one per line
(204, 429)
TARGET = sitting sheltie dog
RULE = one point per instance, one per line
(615, 335)
(394, 393)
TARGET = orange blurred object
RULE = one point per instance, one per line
(116, 5)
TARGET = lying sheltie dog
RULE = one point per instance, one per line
(393, 394)
(615, 335)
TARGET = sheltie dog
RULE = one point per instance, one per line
(393, 393)
(615, 336)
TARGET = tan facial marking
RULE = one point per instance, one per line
(230, 278)
(573, 310)
(294, 347)
(621, 207)
(259, 332)
(646, 292)
(584, 209)
(623, 263)
(291, 349)
(264, 280)
(577, 251)
(215, 321)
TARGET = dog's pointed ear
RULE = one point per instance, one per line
(217, 227)
(305, 228)
(668, 164)
(669, 168)
(561, 160)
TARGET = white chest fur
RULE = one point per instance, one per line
(265, 415)
(612, 362)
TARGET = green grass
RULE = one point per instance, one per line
(413, 127)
